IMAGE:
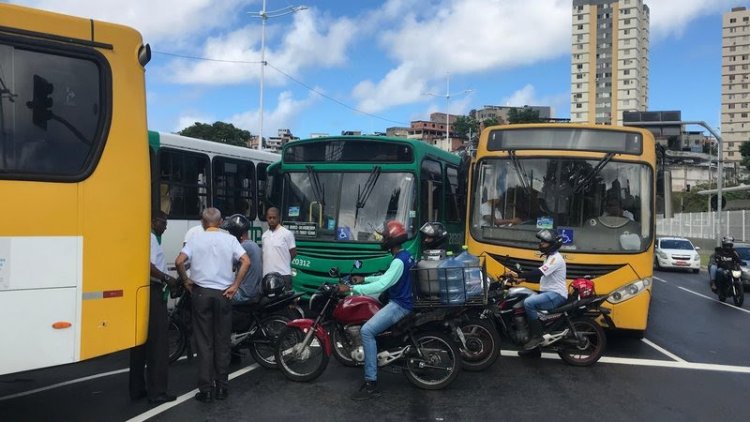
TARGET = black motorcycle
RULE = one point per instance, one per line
(255, 326)
(729, 284)
(571, 330)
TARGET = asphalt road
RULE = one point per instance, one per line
(693, 364)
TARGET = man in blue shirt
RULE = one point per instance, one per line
(397, 282)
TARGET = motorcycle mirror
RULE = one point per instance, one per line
(358, 264)
(518, 267)
(333, 272)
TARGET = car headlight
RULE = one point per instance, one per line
(661, 255)
(629, 291)
(697, 258)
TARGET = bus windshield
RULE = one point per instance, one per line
(598, 205)
(350, 206)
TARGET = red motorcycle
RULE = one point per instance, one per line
(428, 357)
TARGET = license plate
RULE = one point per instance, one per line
(681, 263)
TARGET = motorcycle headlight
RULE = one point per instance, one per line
(294, 272)
(736, 273)
(629, 291)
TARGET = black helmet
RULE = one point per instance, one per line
(273, 285)
(727, 242)
(236, 225)
(550, 237)
(436, 232)
(393, 235)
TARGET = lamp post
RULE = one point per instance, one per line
(447, 107)
(264, 15)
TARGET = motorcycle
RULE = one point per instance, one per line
(255, 326)
(429, 358)
(571, 329)
(731, 286)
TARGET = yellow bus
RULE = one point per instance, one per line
(594, 184)
(75, 185)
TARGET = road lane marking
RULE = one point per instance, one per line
(706, 297)
(73, 381)
(185, 397)
(652, 362)
(663, 350)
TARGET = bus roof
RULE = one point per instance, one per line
(163, 139)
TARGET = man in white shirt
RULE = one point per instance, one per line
(279, 247)
(553, 290)
(212, 284)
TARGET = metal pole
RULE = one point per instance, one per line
(447, 112)
(263, 18)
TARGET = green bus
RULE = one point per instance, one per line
(336, 193)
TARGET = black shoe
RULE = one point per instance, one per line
(534, 353)
(138, 395)
(368, 390)
(204, 396)
(221, 393)
(162, 398)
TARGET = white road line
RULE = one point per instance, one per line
(653, 362)
(185, 397)
(74, 381)
(663, 350)
(63, 384)
(712, 299)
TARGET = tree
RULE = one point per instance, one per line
(523, 115)
(463, 126)
(222, 132)
(745, 153)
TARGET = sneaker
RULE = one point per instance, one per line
(531, 354)
(162, 398)
(713, 287)
(533, 343)
(368, 390)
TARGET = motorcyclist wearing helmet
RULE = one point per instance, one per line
(398, 283)
(553, 290)
(725, 257)
(250, 289)
(434, 236)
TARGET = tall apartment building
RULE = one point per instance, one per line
(735, 82)
(609, 71)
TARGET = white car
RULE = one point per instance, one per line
(676, 252)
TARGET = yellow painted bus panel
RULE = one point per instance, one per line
(44, 22)
(630, 315)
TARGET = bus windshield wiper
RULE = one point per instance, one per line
(520, 170)
(364, 193)
(317, 189)
(584, 181)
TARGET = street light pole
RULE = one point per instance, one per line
(447, 107)
(264, 15)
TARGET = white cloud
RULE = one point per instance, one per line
(282, 117)
(160, 21)
(672, 17)
(527, 96)
(462, 37)
(312, 40)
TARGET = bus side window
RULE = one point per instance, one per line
(431, 194)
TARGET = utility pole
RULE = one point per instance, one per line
(264, 15)
(447, 107)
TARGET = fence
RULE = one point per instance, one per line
(703, 225)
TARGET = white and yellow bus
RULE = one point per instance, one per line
(74, 181)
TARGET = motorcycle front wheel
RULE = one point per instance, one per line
(299, 362)
(739, 294)
(434, 363)
(482, 344)
(342, 347)
(263, 349)
(588, 347)
(177, 339)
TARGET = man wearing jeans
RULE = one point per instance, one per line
(397, 282)
(552, 288)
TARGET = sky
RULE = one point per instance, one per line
(368, 65)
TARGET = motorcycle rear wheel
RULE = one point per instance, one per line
(437, 349)
(297, 363)
(482, 344)
(591, 343)
(265, 353)
(739, 294)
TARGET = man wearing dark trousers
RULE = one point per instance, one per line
(212, 284)
(154, 354)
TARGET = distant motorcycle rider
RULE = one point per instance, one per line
(434, 237)
(725, 258)
(553, 291)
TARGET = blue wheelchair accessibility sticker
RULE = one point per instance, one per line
(567, 236)
(343, 233)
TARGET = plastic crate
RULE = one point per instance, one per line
(431, 287)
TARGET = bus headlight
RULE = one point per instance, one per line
(628, 291)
